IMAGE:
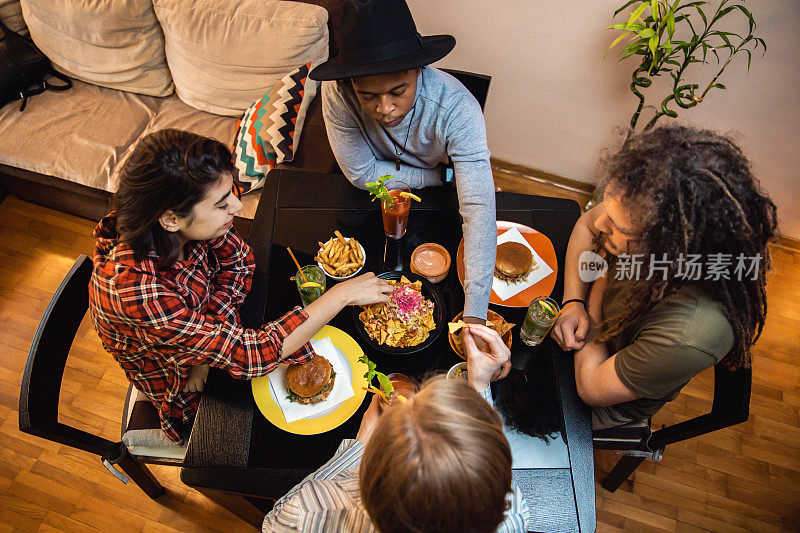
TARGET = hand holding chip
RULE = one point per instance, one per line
(482, 365)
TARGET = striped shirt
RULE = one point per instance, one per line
(330, 499)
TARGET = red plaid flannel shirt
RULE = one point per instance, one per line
(159, 323)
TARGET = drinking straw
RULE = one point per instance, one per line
(298, 265)
(555, 318)
(373, 390)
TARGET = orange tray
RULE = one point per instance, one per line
(543, 247)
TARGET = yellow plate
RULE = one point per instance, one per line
(311, 426)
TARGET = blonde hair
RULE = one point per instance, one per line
(440, 462)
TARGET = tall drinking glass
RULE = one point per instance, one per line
(402, 385)
(539, 319)
(313, 288)
(395, 217)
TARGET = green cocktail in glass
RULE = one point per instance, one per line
(312, 286)
(538, 320)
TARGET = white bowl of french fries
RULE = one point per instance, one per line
(340, 257)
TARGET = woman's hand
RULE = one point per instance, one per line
(483, 366)
(369, 421)
(571, 328)
(365, 289)
(197, 378)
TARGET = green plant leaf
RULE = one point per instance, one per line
(617, 40)
(654, 9)
(671, 24)
(637, 13)
(718, 86)
(652, 43)
(751, 21)
(702, 15)
(646, 33)
(620, 10)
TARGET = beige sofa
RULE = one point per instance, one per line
(143, 65)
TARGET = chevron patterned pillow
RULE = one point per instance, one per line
(286, 109)
(253, 157)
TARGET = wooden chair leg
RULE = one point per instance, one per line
(142, 476)
(624, 468)
(236, 504)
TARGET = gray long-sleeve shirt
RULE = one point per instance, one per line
(445, 125)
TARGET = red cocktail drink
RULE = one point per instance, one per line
(403, 385)
(395, 217)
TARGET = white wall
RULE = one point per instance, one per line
(557, 101)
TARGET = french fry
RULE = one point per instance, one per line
(348, 266)
(357, 250)
(340, 256)
(329, 269)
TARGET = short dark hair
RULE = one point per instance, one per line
(168, 170)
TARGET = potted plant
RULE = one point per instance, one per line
(671, 37)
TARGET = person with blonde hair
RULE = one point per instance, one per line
(439, 462)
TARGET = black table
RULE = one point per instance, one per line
(236, 454)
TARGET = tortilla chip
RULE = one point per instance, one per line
(455, 326)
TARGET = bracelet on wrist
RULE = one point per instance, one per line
(577, 300)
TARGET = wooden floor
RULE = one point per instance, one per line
(742, 479)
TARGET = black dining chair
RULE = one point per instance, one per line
(478, 85)
(637, 441)
(41, 387)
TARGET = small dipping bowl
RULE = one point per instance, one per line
(430, 260)
(458, 371)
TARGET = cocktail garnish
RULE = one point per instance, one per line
(379, 191)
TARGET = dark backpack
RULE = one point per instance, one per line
(24, 69)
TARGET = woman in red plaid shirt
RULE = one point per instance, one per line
(170, 274)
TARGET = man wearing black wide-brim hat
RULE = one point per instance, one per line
(387, 112)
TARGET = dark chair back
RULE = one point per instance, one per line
(477, 84)
(41, 381)
(731, 406)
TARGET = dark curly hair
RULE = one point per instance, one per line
(695, 194)
(167, 170)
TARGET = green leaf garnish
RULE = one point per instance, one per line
(379, 191)
(385, 385)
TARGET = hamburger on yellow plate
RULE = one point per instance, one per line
(310, 382)
(513, 262)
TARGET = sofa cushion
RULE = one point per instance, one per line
(78, 135)
(225, 54)
(287, 107)
(253, 156)
(115, 44)
(173, 113)
(11, 15)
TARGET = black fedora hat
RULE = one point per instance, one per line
(380, 37)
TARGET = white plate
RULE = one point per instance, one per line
(340, 278)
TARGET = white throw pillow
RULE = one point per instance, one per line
(225, 54)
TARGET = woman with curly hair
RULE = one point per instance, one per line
(684, 226)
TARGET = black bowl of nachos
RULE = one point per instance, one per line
(411, 321)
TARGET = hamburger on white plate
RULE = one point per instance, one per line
(513, 262)
(310, 382)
